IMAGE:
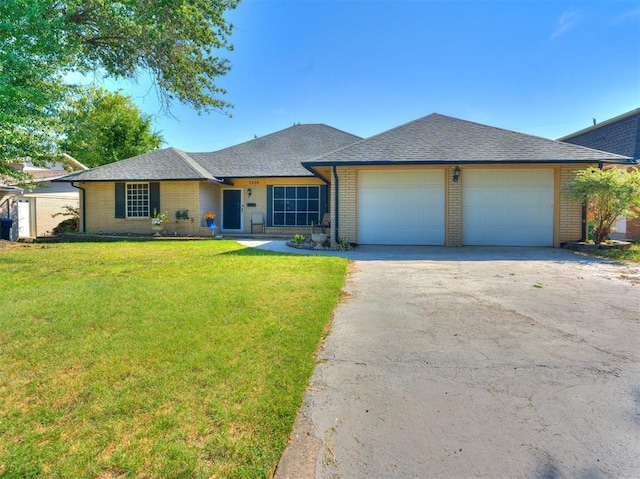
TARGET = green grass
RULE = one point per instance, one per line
(632, 254)
(159, 359)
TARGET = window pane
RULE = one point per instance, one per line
(296, 205)
(137, 200)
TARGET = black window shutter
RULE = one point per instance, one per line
(154, 197)
(323, 201)
(121, 204)
(269, 205)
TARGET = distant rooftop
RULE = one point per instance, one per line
(620, 135)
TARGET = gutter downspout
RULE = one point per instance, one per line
(584, 233)
(337, 203)
(84, 210)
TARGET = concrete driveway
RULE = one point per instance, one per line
(476, 363)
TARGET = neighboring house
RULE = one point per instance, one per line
(263, 177)
(38, 205)
(434, 181)
(619, 135)
(9, 212)
(444, 181)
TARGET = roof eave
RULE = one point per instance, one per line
(69, 179)
(12, 190)
(311, 164)
(249, 177)
(315, 173)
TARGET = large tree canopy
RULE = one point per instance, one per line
(608, 194)
(41, 41)
(101, 127)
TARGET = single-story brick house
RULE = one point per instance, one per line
(264, 175)
(619, 135)
(434, 181)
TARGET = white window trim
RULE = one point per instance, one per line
(126, 200)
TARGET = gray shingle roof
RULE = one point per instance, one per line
(276, 154)
(167, 164)
(440, 139)
(619, 135)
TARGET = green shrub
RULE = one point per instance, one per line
(66, 226)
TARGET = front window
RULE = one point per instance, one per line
(138, 200)
(296, 205)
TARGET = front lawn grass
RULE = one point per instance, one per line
(159, 359)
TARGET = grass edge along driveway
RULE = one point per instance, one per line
(159, 359)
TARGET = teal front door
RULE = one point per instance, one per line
(232, 210)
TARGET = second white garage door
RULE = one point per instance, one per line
(511, 207)
(401, 207)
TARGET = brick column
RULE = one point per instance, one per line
(454, 208)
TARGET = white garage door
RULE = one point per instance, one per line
(401, 207)
(508, 207)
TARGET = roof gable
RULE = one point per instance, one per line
(166, 164)
(440, 139)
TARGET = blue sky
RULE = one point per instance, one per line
(540, 67)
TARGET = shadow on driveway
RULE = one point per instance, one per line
(431, 253)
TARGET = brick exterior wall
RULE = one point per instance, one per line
(197, 197)
(633, 227)
(209, 198)
(348, 205)
(570, 212)
(174, 196)
(454, 209)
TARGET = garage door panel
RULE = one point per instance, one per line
(540, 197)
(510, 207)
(517, 198)
(539, 222)
(516, 217)
(538, 177)
(401, 207)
